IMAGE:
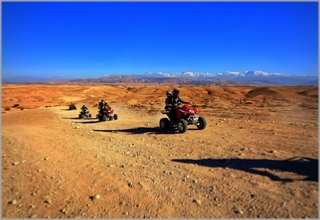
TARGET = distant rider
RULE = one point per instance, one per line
(84, 108)
(106, 105)
(72, 106)
(102, 106)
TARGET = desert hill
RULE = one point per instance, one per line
(257, 157)
(127, 80)
(53, 95)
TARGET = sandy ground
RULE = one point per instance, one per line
(257, 157)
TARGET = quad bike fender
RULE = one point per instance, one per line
(180, 113)
(108, 111)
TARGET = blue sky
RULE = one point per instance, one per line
(90, 39)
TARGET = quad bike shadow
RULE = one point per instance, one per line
(306, 167)
(139, 130)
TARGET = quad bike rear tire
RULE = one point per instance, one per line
(164, 123)
(202, 123)
(102, 118)
(80, 116)
(182, 126)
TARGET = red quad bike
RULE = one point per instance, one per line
(185, 117)
(72, 107)
(107, 114)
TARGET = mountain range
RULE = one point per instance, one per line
(245, 78)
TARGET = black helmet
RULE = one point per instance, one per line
(169, 93)
(176, 91)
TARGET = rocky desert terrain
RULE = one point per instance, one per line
(257, 157)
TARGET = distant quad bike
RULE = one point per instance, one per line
(72, 107)
(185, 116)
(107, 113)
(84, 114)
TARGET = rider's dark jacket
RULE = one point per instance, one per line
(168, 102)
(103, 105)
(176, 100)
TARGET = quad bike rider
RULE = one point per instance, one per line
(168, 101)
(84, 112)
(180, 115)
(72, 106)
(105, 112)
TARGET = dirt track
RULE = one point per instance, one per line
(257, 158)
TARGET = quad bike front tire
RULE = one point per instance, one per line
(80, 116)
(202, 123)
(182, 126)
(115, 117)
(164, 123)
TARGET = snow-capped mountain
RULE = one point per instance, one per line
(255, 73)
(178, 74)
(244, 76)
